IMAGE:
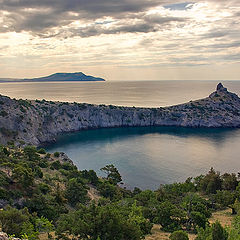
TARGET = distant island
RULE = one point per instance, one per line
(57, 77)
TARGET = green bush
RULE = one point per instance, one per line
(179, 235)
(12, 220)
(56, 154)
(42, 151)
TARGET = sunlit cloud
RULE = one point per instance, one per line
(106, 37)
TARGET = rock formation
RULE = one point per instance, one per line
(36, 122)
(4, 236)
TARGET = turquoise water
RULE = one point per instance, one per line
(146, 157)
(149, 156)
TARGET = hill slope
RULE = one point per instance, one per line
(78, 76)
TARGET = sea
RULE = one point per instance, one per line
(146, 157)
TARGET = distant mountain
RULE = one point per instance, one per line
(9, 80)
(78, 76)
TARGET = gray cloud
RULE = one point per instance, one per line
(41, 16)
(219, 46)
(216, 34)
(225, 45)
(144, 25)
(93, 6)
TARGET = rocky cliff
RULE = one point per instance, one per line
(36, 122)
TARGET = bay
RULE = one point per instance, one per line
(149, 156)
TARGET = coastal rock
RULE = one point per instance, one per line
(221, 88)
(37, 122)
(64, 158)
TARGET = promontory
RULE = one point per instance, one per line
(36, 122)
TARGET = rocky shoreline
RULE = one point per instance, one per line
(36, 122)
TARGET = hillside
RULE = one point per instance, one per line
(43, 193)
(57, 77)
(36, 122)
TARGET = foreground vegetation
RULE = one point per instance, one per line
(46, 193)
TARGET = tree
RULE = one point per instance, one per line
(23, 175)
(229, 181)
(91, 176)
(112, 221)
(234, 232)
(214, 232)
(42, 151)
(204, 234)
(211, 182)
(112, 174)
(12, 220)
(56, 154)
(75, 192)
(44, 205)
(197, 211)
(28, 232)
(136, 217)
(109, 190)
(43, 225)
(31, 153)
(169, 216)
(179, 235)
(218, 232)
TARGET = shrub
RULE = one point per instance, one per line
(42, 151)
(12, 220)
(56, 154)
(179, 235)
(56, 165)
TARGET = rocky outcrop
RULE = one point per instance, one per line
(36, 122)
(4, 236)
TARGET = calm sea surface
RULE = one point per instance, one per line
(146, 157)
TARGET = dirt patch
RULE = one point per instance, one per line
(158, 234)
(93, 193)
(225, 217)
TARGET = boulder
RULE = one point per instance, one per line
(3, 236)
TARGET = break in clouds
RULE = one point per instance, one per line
(122, 33)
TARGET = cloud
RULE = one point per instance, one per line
(43, 15)
(149, 33)
(179, 6)
(145, 24)
(216, 33)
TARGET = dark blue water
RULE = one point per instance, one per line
(149, 156)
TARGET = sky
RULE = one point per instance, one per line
(121, 39)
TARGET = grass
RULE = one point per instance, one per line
(223, 216)
(158, 234)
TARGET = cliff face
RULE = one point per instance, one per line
(36, 122)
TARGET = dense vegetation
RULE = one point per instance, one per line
(42, 192)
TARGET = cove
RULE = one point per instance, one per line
(147, 157)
